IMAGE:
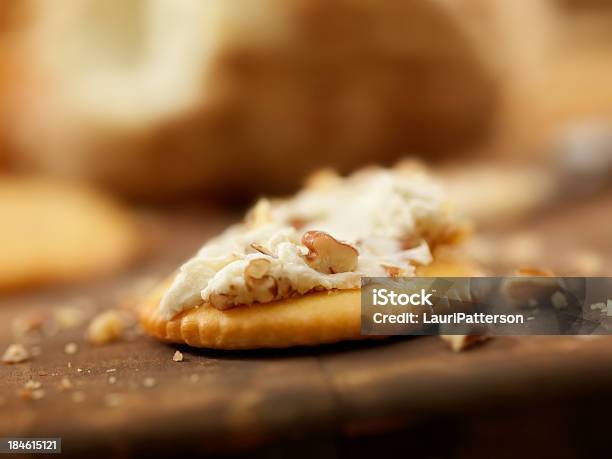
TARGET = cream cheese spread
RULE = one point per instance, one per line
(377, 222)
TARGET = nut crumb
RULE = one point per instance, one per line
(105, 328)
(80, 370)
(393, 271)
(31, 384)
(66, 384)
(178, 356)
(71, 348)
(38, 394)
(461, 342)
(68, 317)
(15, 353)
(112, 379)
(111, 370)
(149, 382)
(263, 286)
(261, 249)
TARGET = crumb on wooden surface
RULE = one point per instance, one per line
(462, 342)
(15, 353)
(71, 348)
(105, 328)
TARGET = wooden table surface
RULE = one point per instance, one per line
(343, 400)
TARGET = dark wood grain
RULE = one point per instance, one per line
(348, 399)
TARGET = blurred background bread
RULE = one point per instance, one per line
(571, 87)
(158, 98)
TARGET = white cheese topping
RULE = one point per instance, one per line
(387, 216)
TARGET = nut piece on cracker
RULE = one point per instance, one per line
(328, 255)
(268, 282)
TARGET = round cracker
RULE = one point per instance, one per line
(309, 320)
(54, 232)
(315, 318)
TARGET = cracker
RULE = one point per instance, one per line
(58, 232)
(309, 320)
